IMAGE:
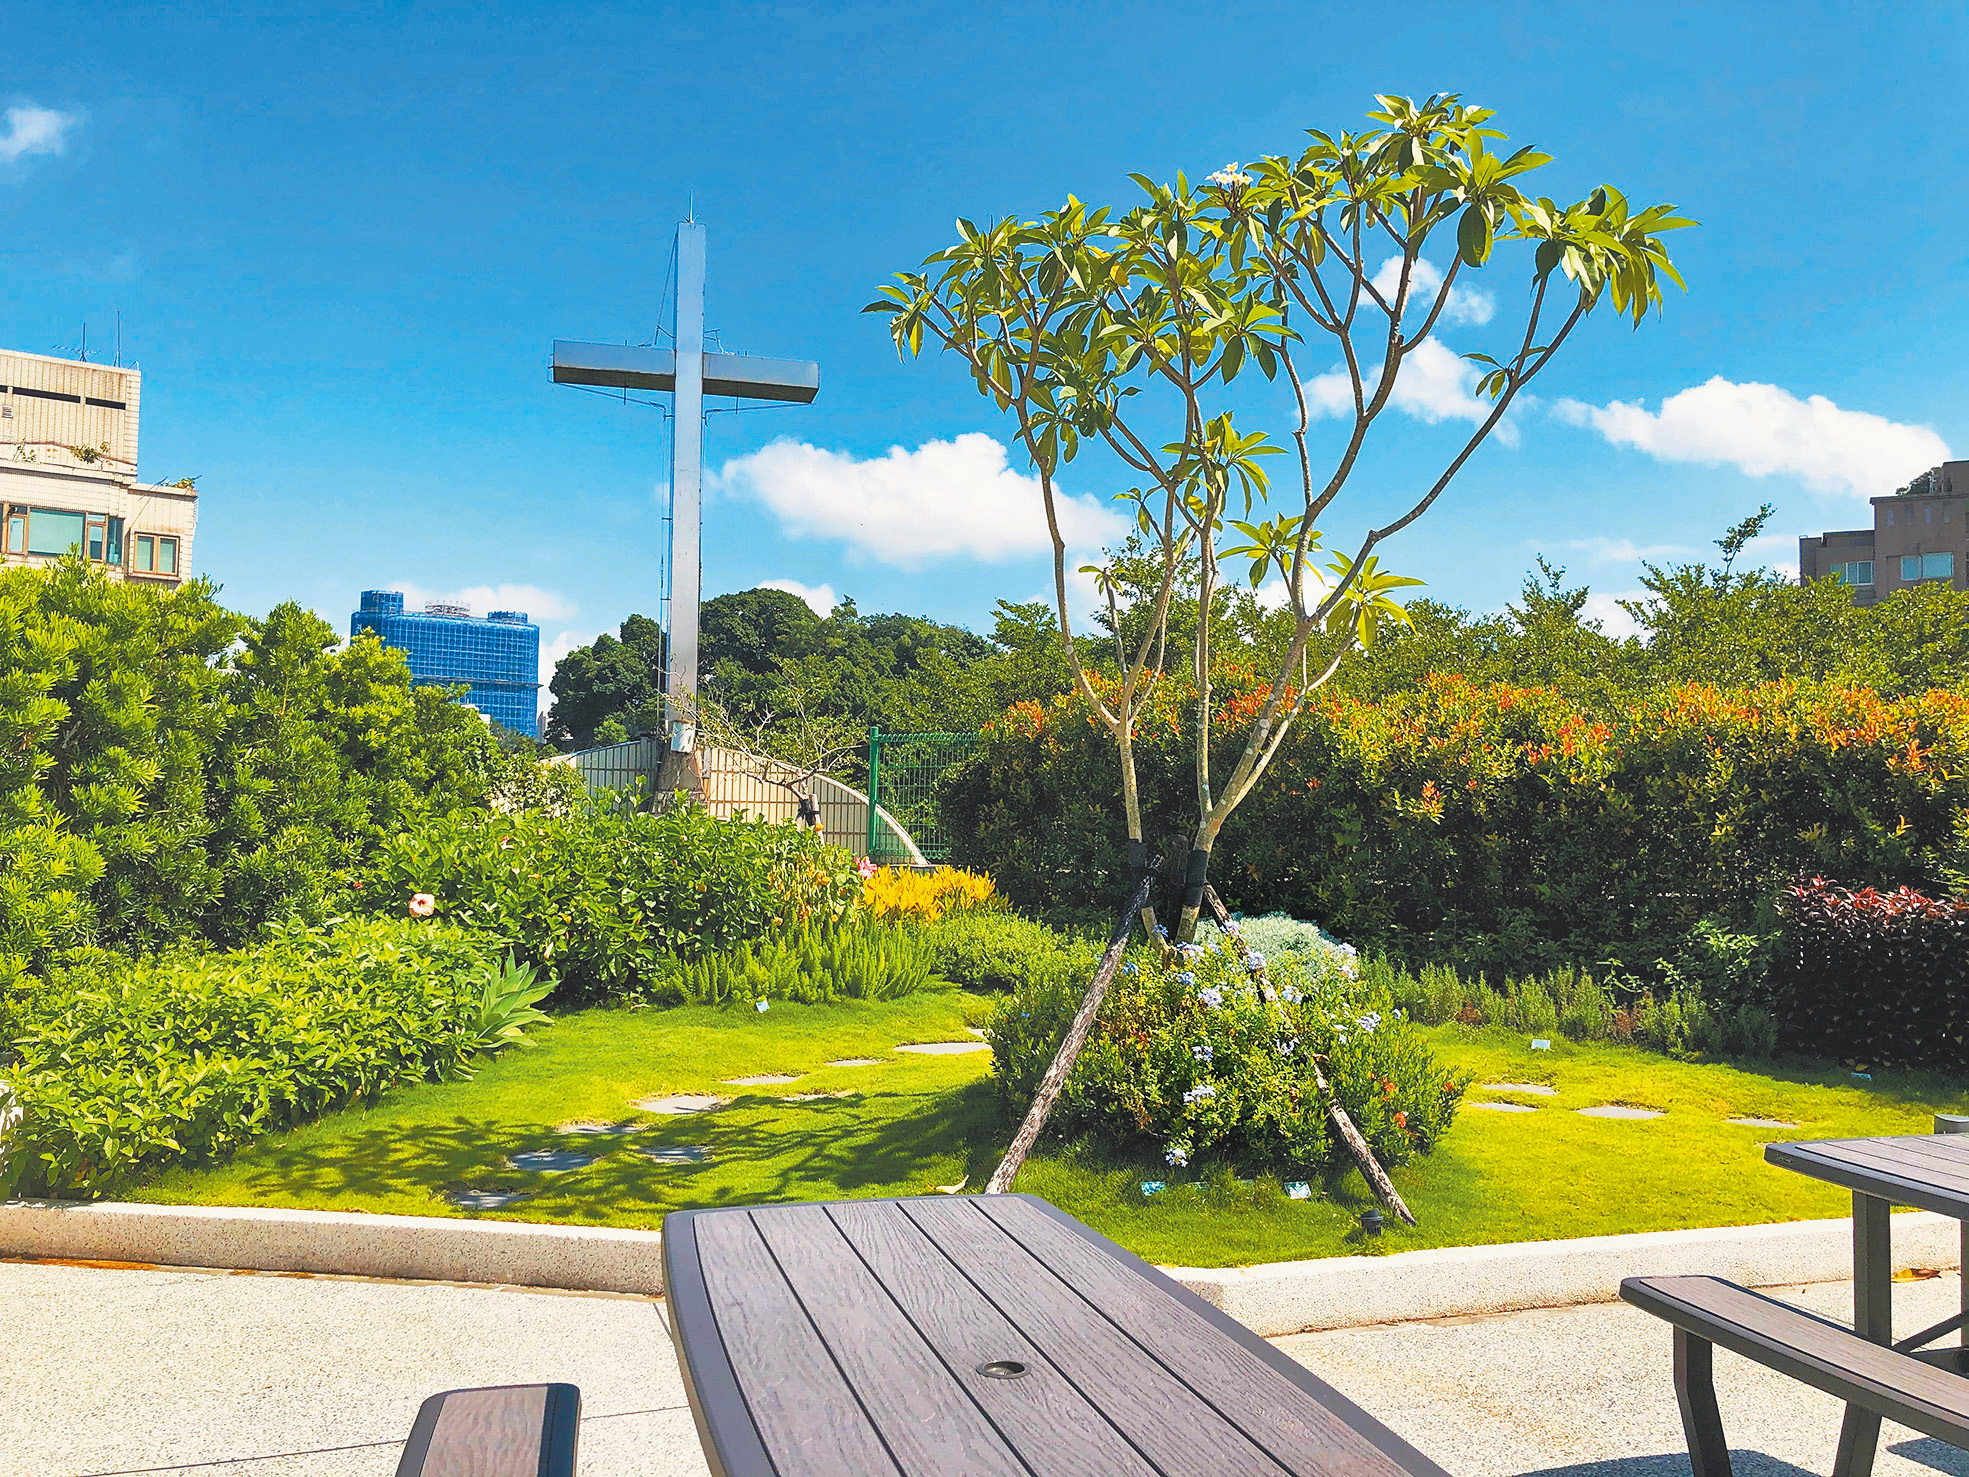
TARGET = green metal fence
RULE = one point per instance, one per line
(903, 770)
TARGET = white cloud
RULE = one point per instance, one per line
(1602, 550)
(1605, 609)
(956, 497)
(820, 599)
(552, 651)
(1314, 582)
(1435, 384)
(1763, 430)
(1466, 304)
(540, 605)
(31, 130)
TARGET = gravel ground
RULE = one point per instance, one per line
(121, 1371)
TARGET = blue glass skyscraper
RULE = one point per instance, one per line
(499, 655)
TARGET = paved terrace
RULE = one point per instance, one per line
(118, 1371)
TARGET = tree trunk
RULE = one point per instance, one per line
(1370, 1167)
(1076, 1037)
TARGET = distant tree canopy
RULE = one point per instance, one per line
(764, 655)
(768, 658)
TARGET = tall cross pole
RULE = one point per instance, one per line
(689, 374)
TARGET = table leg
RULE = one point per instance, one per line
(1873, 1318)
(1873, 1269)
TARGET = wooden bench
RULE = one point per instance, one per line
(1881, 1381)
(498, 1431)
(981, 1336)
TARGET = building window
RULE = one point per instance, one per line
(1853, 572)
(154, 553)
(1916, 567)
(51, 531)
(1890, 517)
(1928, 514)
(17, 532)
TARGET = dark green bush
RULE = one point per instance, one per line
(173, 773)
(1186, 1063)
(138, 1065)
(607, 898)
(1874, 977)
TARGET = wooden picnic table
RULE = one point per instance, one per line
(1926, 1171)
(986, 1335)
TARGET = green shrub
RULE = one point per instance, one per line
(1586, 1007)
(1189, 1065)
(1276, 938)
(142, 1064)
(607, 898)
(1528, 1007)
(995, 950)
(813, 965)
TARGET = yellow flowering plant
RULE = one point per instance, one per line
(896, 892)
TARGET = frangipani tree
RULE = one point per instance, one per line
(1130, 330)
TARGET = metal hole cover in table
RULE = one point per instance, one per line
(1002, 1369)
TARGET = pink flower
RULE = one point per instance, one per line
(866, 866)
(422, 905)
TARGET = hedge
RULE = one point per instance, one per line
(1875, 978)
(1499, 827)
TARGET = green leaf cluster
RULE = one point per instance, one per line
(130, 1065)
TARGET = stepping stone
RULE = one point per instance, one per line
(944, 1048)
(683, 1102)
(677, 1154)
(857, 1061)
(484, 1199)
(764, 1079)
(1538, 1087)
(1618, 1110)
(550, 1161)
(1763, 1123)
(976, 1030)
(1503, 1107)
(820, 1097)
(621, 1129)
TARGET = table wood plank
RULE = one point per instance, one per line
(1897, 1164)
(1046, 1420)
(1150, 1406)
(1325, 1435)
(807, 1417)
(1840, 1162)
(926, 1419)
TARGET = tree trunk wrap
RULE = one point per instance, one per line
(1369, 1166)
(1138, 863)
(1076, 1037)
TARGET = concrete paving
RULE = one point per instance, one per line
(1585, 1391)
(278, 1375)
(112, 1372)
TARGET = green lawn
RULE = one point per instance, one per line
(914, 1122)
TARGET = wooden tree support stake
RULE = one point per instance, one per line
(1369, 1166)
(1076, 1037)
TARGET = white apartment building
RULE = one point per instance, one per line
(68, 473)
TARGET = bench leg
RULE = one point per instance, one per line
(1859, 1434)
(1702, 1424)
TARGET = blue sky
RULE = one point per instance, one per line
(342, 244)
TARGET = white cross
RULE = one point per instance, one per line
(689, 374)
